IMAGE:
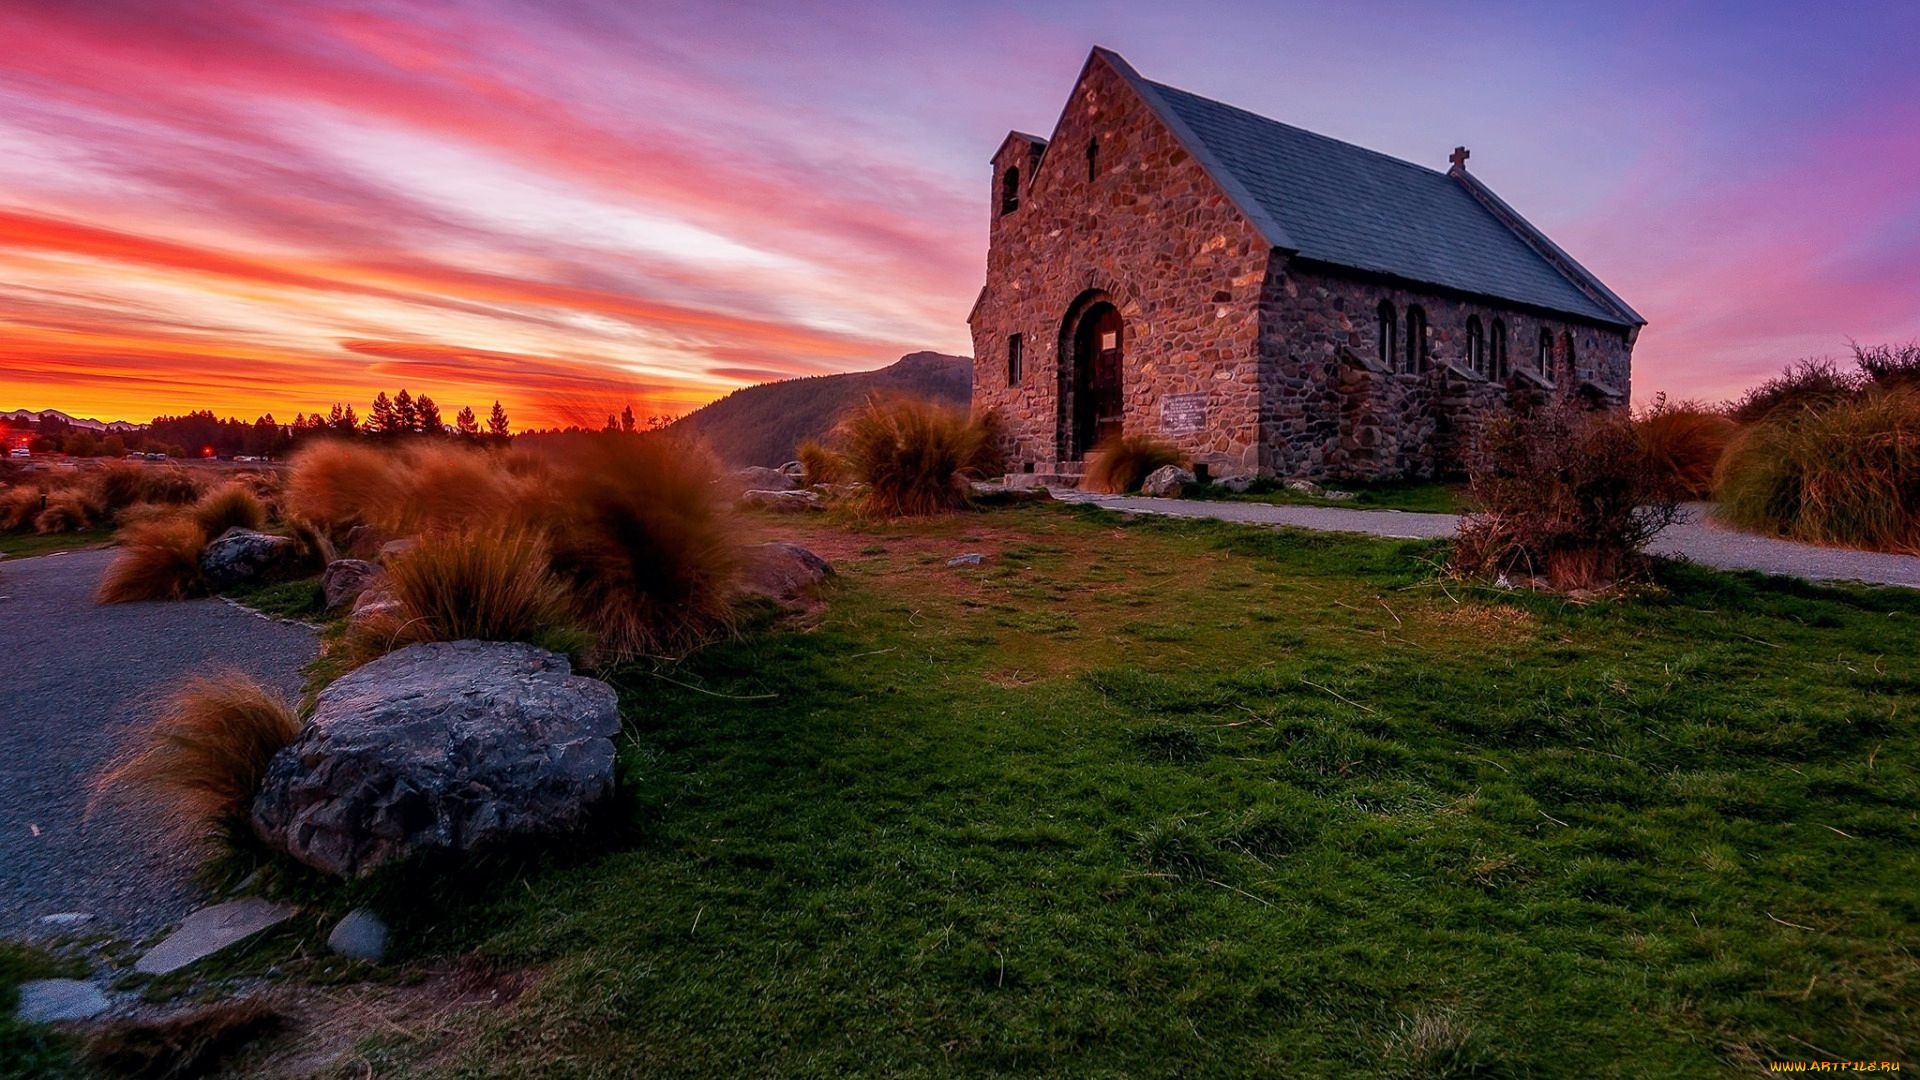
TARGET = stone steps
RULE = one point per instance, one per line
(1049, 474)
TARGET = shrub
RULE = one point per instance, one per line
(1804, 384)
(229, 507)
(918, 457)
(1121, 464)
(118, 485)
(1889, 366)
(644, 541)
(1567, 497)
(1847, 473)
(202, 758)
(68, 510)
(820, 463)
(1684, 442)
(483, 583)
(158, 560)
(19, 506)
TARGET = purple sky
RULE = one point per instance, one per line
(276, 206)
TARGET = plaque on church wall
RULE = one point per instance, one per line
(1183, 414)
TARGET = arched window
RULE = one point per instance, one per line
(1476, 347)
(1566, 344)
(1544, 362)
(1499, 343)
(1388, 333)
(1010, 190)
(1016, 358)
(1416, 339)
(1093, 159)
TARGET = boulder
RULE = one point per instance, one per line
(1305, 487)
(361, 935)
(787, 574)
(373, 603)
(783, 502)
(346, 580)
(1165, 482)
(444, 746)
(794, 469)
(244, 557)
(1238, 485)
(760, 478)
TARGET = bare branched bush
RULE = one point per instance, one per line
(1568, 498)
(1889, 366)
(201, 760)
(1122, 464)
(1804, 384)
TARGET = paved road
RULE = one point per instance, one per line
(1698, 538)
(73, 676)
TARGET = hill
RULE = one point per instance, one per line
(29, 416)
(760, 425)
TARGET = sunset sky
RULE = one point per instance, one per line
(252, 205)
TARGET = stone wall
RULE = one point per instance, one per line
(1154, 234)
(1328, 407)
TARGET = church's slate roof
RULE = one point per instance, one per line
(1344, 205)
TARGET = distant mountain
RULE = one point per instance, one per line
(30, 416)
(760, 425)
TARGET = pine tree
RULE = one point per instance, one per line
(428, 415)
(348, 421)
(382, 421)
(299, 421)
(626, 420)
(497, 422)
(406, 418)
(466, 423)
(335, 420)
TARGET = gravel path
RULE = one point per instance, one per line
(1697, 538)
(73, 676)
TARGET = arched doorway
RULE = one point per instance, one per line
(1098, 344)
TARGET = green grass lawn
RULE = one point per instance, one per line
(1425, 496)
(25, 545)
(1174, 798)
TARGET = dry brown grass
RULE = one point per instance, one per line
(232, 506)
(820, 463)
(1684, 440)
(158, 560)
(1845, 473)
(485, 583)
(188, 1044)
(122, 484)
(405, 490)
(19, 505)
(917, 457)
(201, 759)
(1122, 464)
(68, 510)
(649, 550)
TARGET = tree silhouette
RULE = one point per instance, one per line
(466, 423)
(428, 415)
(626, 420)
(406, 419)
(497, 422)
(382, 420)
(348, 421)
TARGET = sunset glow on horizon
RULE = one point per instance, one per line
(572, 206)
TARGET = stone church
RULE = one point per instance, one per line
(1269, 300)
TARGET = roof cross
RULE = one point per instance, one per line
(1459, 157)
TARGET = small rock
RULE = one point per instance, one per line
(360, 936)
(1238, 485)
(971, 558)
(760, 478)
(244, 557)
(1166, 481)
(345, 580)
(66, 919)
(794, 469)
(209, 930)
(51, 1001)
(1304, 487)
(787, 574)
(393, 549)
(782, 502)
(1335, 496)
(1001, 494)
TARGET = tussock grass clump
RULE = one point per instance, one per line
(202, 758)
(119, 485)
(918, 457)
(819, 462)
(1123, 463)
(232, 506)
(1568, 498)
(158, 560)
(401, 491)
(483, 583)
(193, 1043)
(69, 510)
(1684, 440)
(19, 506)
(1847, 473)
(647, 547)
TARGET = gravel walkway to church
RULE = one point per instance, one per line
(73, 676)
(1698, 538)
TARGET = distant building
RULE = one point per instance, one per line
(1269, 300)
